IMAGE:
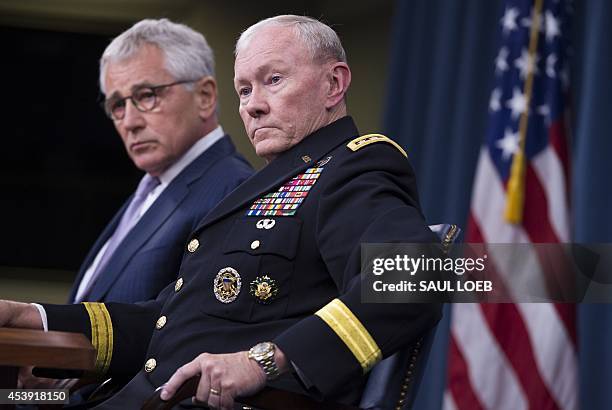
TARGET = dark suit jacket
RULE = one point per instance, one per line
(150, 255)
(309, 246)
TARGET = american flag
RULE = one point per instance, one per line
(520, 356)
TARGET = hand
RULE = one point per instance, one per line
(17, 314)
(231, 375)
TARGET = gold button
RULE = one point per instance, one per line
(255, 244)
(150, 365)
(178, 285)
(193, 245)
(161, 322)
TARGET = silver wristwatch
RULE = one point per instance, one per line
(263, 354)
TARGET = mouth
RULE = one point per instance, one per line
(257, 134)
(141, 145)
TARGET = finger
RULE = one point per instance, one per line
(226, 400)
(178, 378)
(203, 391)
(214, 397)
(216, 390)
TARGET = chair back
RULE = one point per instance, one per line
(394, 382)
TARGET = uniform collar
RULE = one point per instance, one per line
(285, 166)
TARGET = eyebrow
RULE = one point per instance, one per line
(133, 88)
(271, 65)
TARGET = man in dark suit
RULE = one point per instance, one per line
(269, 290)
(158, 79)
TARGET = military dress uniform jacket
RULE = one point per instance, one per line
(309, 303)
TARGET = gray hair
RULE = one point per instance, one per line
(187, 53)
(319, 38)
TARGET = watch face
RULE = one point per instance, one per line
(261, 348)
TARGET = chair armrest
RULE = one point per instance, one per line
(268, 399)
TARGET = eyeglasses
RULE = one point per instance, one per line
(145, 99)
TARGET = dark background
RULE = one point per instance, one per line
(64, 171)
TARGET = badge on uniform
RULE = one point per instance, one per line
(287, 199)
(265, 224)
(324, 161)
(227, 285)
(264, 289)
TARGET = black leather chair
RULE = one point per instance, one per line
(394, 382)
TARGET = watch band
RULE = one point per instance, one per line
(263, 354)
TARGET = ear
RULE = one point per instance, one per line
(206, 96)
(339, 77)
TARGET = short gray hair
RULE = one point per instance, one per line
(187, 53)
(319, 38)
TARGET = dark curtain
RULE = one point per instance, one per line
(440, 80)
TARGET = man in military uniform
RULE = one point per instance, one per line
(269, 289)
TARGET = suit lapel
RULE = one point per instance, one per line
(150, 222)
(93, 252)
(156, 216)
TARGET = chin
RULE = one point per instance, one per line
(266, 153)
(151, 167)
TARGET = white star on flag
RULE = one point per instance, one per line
(552, 26)
(509, 144)
(525, 63)
(518, 103)
(494, 102)
(509, 20)
(543, 110)
(501, 63)
(551, 60)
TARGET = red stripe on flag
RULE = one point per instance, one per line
(500, 291)
(458, 382)
(473, 234)
(558, 140)
(535, 215)
(536, 222)
(506, 323)
(567, 313)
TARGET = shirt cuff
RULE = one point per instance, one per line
(43, 316)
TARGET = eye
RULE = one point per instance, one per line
(144, 95)
(275, 79)
(244, 91)
(115, 107)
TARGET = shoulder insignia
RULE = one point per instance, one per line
(368, 139)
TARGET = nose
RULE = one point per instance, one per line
(134, 119)
(256, 105)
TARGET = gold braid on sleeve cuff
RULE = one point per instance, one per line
(101, 335)
(350, 330)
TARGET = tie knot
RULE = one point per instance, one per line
(146, 185)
